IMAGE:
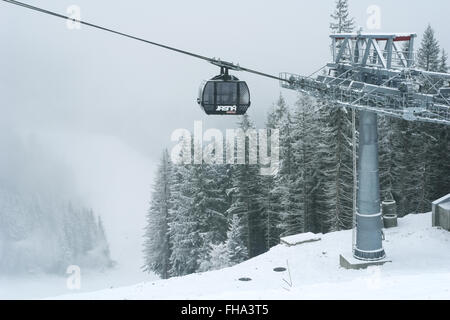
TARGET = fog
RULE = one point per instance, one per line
(86, 114)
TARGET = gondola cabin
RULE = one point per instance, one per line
(224, 95)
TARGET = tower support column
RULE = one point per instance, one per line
(369, 246)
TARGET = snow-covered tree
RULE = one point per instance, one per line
(277, 114)
(335, 191)
(102, 248)
(342, 21)
(198, 220)
(299, 185)
(184, 227)
(386, 157)
(44, 234)
(217, 258)
(247, 199)
(226, 254)
(335, 154)
(427, 141)
(209, 206)
(278, 118)
(235, 245)
(428, 55)
(443, 65)
(413, 166)
(398, 172)
(157, 247)
(212, 200)
(305, 132)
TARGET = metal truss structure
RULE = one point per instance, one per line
(375, 74)
(368, 75)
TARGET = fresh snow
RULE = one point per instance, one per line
(41, 286)
(301, 238)
(445, 205)
(420, 258)
(442, 200)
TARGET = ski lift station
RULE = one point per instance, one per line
(373, 74)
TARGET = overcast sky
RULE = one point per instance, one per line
(70, 87)
(92, 81)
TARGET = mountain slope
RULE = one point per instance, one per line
(420, 255)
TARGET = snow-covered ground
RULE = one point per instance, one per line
(44, 286)
(420, 270)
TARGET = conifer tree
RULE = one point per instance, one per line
(236, 249)
(208, 207)
(305, 132)
(426, 157)
(443, 65)
(277, 120)
(247, 199)
(184, 227)
(342, 22)
(335, 193)
(300, 185)
(428, 55)
(157, 242)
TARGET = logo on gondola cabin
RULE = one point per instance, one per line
(227, 109)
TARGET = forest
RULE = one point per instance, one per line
(42, 235)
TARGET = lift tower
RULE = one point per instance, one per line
(375, 74)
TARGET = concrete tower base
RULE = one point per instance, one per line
(347, 261)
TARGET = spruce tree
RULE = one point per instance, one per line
(276, 120)
(217, 258)
(157, 242)
(208, 207)
(335, 154)
(300, 185)
(342, 22)
(335, 193)
(443, 149)
(428, 55)
(44, 234)
(305, 133)
(428, 140)
(184, 227)
(386, 157)
(247, 199)
(198, 221)
(443, 66)
(228, 253)
(103, 245)
(236, 249)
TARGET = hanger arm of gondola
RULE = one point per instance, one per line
(217, 62)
